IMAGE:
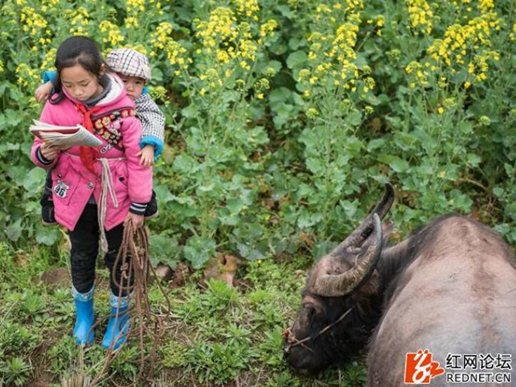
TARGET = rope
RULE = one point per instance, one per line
(293, 341)
(145, 325)
(107, 188)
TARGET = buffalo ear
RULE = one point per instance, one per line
(387, 228)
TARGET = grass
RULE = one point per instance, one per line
(215, 335)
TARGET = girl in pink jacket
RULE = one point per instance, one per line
(95, 190)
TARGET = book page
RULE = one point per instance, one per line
(64, 136)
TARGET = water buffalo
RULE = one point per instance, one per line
(447, 291)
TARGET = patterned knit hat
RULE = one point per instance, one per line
(128, 62)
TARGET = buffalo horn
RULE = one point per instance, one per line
(326, 284)
(357, 237)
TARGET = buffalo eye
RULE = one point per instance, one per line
(310, 310)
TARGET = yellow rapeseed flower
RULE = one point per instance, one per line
(131, 22)
(439, 51)
(484, 121)
(33, 23)
(211, 74)
(221, 27)
(312, 113)
(161, 35)
(450, 102)
(353, 5)
(240, 85)
(113, 34)
(323, 8)
(513, 33)
(369, 83)
(222, 56)
(268, 28)
(138, 47)
(248, 49)
(461, 43)
(77, 31)
(421, 15)
(261, 85)
(270, 72)
(332, 52)
(26, 76)
(486, 5)
(135, 6)
(245, 65)
(303, 73)
(415, 71)
(48, 59)
(247, 7)
(173, 50)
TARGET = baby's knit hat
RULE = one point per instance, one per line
(130, 63)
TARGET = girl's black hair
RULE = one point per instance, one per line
(76, 50)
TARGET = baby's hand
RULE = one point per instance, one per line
(147, 156)
(43, 91)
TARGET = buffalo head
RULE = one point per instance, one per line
(340, 306)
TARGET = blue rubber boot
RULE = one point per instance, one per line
(118, 323)
(85, 317)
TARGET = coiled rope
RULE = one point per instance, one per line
(144, 324)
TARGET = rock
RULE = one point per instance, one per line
(222, 267)
(181, 274)
(163, 272)
(56, 277)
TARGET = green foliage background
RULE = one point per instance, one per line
(284, 118)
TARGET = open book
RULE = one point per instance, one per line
(64, 136)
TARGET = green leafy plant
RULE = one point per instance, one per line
(15, 371)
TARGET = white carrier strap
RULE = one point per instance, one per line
(107, 188)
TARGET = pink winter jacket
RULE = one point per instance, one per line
(131, 183)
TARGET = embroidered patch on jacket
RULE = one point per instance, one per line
(108, 126)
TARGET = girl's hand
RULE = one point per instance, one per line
(43, 92)
(49, 152)
(147, 156)
(137, 220)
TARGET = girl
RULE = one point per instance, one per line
(134, 69)
(94, 190)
